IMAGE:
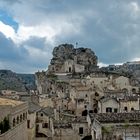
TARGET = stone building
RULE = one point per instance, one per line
(33, 109)
(108, 104)
(16, 114)
(44, 122)
(129, 104)
(74, 87)
(115, 126)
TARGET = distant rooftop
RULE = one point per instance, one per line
(133, 62)
(132, 117)
(4, 101)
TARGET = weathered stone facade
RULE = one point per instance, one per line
(74, 87)
(16, 112)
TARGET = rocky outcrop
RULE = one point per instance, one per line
(81, 56)
(66, 59)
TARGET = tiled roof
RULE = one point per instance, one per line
(32, 107)
(116, 117)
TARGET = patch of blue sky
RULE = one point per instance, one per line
(8, 20)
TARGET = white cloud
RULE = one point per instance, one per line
(25, 32)
(100, 64)
(134, 9)
(37, 55)
(135, 6)
(7, 30)
(136, 59)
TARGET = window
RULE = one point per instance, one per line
(41, 114)
(28, 123)
(125, 108)
(132, 109)
(84, 113)
(91, 111)
(18, 120)
(23, 116)
(108, 109)
(45, 125)
(96, 94)
(14, 121)
(115, 110)
(133, 90)
(95, 110)
(69, 69)
(80, 130)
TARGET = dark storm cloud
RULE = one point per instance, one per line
(20, 58)
(35, 42)
(8, 50)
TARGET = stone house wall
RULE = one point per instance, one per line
(131, 105)
(108, 103)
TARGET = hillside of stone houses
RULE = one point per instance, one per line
(75, 99)
(18, 82)
(87, 101)
(74, 68)
(128, 69)
(73, 75)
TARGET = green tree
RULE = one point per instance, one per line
(4, 125)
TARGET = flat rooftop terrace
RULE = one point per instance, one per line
(5, 101)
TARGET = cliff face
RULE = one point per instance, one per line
(81, 56)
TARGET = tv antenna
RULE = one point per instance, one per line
(76, 44)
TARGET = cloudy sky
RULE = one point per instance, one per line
(30, 29)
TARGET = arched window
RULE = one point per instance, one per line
(20, 118)
(26, 115)
(14, 122)
(125, 90)
(23, 116)
(17, 119)
(133, 90)
(70, 69)
(125, 108)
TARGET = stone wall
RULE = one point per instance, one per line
(5, 111)
(19, 132)
(66, 134)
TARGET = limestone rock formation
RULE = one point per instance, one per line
(66, 58)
